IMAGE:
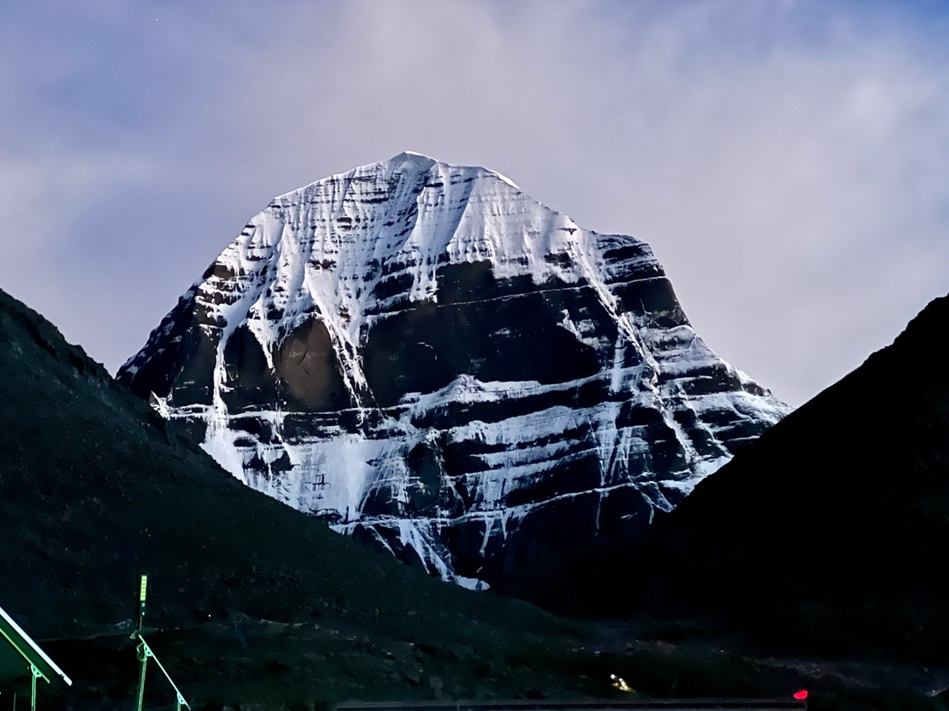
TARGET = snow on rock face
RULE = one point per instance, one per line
(438, 364)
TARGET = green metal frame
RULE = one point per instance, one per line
(144, 653)
(39, 664)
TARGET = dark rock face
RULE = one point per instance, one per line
(434, 362)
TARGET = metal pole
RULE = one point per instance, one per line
(143, 649)
(36, 673)
(143, 657)
(144, 652)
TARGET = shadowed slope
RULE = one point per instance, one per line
(95, 488)
(831, 531)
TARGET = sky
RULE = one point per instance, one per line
(788, 161)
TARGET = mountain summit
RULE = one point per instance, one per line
(437, 363)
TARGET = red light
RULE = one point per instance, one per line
(800, 695)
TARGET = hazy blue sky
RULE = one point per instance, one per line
(787, 161)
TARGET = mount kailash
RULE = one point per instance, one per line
(433, 361)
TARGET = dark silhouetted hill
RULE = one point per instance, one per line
(831, 532)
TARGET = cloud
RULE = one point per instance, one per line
(787, 160)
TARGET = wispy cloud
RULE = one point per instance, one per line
(786, 160)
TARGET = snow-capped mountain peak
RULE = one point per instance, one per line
(435, 361)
